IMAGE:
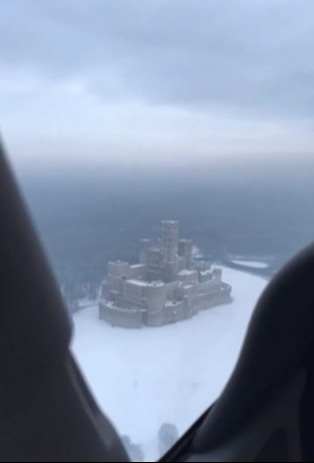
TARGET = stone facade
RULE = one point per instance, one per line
(167, 286)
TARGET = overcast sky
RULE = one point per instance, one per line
(156, 81)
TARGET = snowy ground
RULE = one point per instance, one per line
(251, 263)
(169, 374)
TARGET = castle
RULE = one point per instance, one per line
(167, 286)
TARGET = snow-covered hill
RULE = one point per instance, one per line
(164, 375)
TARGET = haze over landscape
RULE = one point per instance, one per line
(152, 84)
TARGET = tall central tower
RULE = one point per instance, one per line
(169, 240)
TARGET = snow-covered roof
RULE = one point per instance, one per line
(206, 272)
(186, 272)
(172, 303)
(113, 306)
(157, 283)
(138, 282)
(143, 283)
(117, 262)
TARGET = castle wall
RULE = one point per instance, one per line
(205, 275)
(114, 283)
(170, 270)
(153, 257)
(154, 264)
(170, 313)
(120, 317)
(154, 319)
(190, 298)
(209, 286)
(174, 313)
(132, 293)
(138, 271)
(180, 263)
(154, 273)
(155, 297)
(117, 272)
(207, 300)
(217, 274)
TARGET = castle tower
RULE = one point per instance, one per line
(185, 251)
(169, 240)
(144, 247)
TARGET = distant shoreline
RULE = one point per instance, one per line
(266, 272)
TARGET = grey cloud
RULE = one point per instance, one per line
(243, 54)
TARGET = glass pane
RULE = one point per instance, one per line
(164, 149)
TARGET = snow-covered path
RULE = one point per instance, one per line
(169, 374)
